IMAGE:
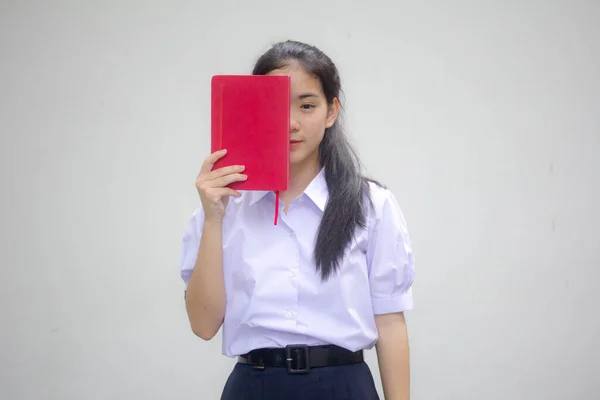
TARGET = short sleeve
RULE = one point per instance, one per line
(190, 245)
(389, 256)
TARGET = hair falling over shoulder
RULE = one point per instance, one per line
(349, 194)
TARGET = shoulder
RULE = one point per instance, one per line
(195, 225)
(379, 193)
(382, 199)
(234, 205)
(385, 213)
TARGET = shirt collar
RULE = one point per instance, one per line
(256, 195)
(317, 191)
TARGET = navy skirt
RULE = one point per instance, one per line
(347, 382)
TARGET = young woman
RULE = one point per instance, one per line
(299, 301)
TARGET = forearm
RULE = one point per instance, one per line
(205, 294)
(393, 356)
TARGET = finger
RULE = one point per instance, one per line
(223, 181)
(210, 161)
(227, 179)
(217, 173)
(216, 194)
(225, 191)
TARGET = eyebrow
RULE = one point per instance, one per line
(306, 95)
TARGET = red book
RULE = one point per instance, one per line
(250, 117)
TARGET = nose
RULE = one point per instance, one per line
(294, 125)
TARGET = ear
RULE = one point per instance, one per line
(332, 112)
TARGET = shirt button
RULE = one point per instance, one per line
(288, 315)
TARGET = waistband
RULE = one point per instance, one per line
(300, 358)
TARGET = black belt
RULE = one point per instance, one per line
(299, 359)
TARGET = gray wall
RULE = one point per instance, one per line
(482, 117)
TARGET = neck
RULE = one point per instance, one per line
(300, 177)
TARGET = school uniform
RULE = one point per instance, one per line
(276, 299)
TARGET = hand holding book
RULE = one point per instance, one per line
(212, 185)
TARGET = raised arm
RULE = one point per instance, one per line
(202, 258)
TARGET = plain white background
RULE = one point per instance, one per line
(483, 117)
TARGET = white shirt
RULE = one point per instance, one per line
(274, 295)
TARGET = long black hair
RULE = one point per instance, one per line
(348, 189)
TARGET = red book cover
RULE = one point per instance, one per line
(250, 117)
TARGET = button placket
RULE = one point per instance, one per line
(293, 266)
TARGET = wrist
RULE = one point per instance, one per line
(212, 222)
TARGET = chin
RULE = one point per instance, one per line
(296, 159)
(301, 158)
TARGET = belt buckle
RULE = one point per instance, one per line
(297, 349)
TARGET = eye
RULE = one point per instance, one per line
(307, 106)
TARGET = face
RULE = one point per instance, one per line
(310, 115)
